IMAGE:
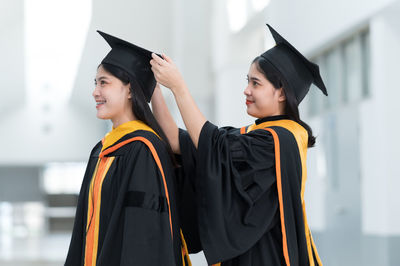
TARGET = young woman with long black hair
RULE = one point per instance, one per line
(127, 209)
(249, 182)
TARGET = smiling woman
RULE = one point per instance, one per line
(127, 210)
(113, 98)
(262, 97)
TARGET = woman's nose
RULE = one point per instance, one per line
(95, 92)
(246, 91)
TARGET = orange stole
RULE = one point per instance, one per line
(102, 167)
(301, 139)
(94, 201)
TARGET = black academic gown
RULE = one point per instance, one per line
(135, 224)
(240, 216)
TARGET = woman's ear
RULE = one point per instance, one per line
(129, 91)
(282, 96)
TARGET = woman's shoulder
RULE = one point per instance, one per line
(234, 139)
(144, 138)
(140, 141)
(96, 149)
(240, 133)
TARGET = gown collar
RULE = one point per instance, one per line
(271, 118)
(117, 133)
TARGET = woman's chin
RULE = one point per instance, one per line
(254, 114)
(102, 116)
(250, 113)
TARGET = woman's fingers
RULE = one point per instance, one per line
(165, 71)
(155, 67)
(154, 64)
(157, 59)
(167, 58)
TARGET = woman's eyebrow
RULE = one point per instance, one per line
(100, 78)
(253, 78)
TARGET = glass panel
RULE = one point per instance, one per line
(334, 77)
(365, 48)
(323, 69)
(317, 101)
(353, 62)
(344, 90)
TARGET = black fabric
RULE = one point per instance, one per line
(130, 234)
(237, 197)
(147, 201)
(271, 118)
(186, 184)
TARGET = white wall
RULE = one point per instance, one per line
(312, 24)
(380, 142)
(12, 67)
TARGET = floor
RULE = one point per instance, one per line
(26, 239)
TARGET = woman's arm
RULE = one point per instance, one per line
(165, 120)
(166, 73)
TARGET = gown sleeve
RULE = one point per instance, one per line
(146, 238)
(186, 190)
(236, 190)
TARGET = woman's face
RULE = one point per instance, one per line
(112, 98)
(262, 99)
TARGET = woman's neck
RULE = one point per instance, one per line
(117, 121)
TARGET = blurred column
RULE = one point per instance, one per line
(381, 144)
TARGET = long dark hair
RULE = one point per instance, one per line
(291, 105)
(140, 108)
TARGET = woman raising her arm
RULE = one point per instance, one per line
(249, 181)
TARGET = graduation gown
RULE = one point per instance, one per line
(249, 187)
(126, 213)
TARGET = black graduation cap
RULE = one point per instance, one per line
(133, 59)
(298, 71)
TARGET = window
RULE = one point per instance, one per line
(240, 11)
(61, 178)
(55, 34)
(345, 70)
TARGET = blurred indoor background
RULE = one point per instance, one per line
(49, 51)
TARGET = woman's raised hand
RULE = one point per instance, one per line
(166, 73)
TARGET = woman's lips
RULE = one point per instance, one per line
(249, 102)
(98, 104)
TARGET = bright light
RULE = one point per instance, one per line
(259, 5)
(63, 177)
(55, 36)
(237, 14)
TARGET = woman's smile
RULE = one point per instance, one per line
(99, 103)
(248, 102)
